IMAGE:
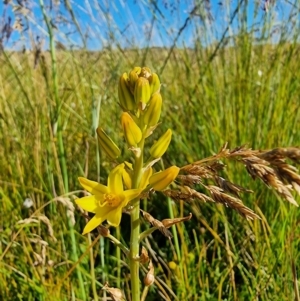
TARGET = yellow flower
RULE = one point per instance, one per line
(127, 177)
(108, 201)
(107, 145)
(142, 91)
(153, 111)
(132, 132)
(125, 96)
(160, 180)
(161, 145)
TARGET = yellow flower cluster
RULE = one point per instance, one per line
(141, 102)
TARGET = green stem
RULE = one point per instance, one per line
(135, 228)
(57, 119)
(145, 292)
(134, 251)
(92, 263)
(147, 233)
(118, 256)
(176, 240)
(118, 244)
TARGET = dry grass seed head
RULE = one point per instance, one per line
(156, 223)
(234, 203)
(262, 169)
(46, 221)
(230, 187)
(187, 194)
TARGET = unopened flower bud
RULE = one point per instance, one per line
(142, 91)
(153, 111)
(133, 77)
(154, 83)
(161, 145)
(125, 96)
(107, 145)
(127, 178)
(160, 180)
(132, 132)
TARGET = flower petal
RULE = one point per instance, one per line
(130, 195)
(114, 216)
(115, 183)
(93, 223)
(145, 178)
(131, 130)
(127, 179)
(100, 216)
(160, 180)
(88, 203)
(92, 186)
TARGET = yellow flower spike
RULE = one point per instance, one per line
(142, 91)
(133, 77)
(107, 145)
(108, 201)
(160, 180)
(132, 132)
(153, 111)
(161, 145)
(154, 83)
(145, 178)
(125, 96)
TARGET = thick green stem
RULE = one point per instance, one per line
(134, 251)
(135, 229)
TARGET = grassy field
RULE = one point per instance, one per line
(243, 93)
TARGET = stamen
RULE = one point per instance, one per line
(111, 199)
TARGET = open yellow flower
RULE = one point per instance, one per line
(108, 201)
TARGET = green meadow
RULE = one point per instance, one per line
(238, 89)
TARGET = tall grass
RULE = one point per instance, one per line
(242, 88)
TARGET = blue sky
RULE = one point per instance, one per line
(129, 23)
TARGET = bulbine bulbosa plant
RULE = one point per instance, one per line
(129, 181)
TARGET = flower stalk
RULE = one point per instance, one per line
(141, 102)
(135, 228)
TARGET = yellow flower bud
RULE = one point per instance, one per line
(133, 77)
(145, 178)
(132, 132)
(153, 111)
(161, 145)
(172, 265)
(107, 145)
(127, 179)
(160, 180)
(142, 91)
(125, 96)
(154, 83)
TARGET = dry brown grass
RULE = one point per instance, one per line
(270, 166)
